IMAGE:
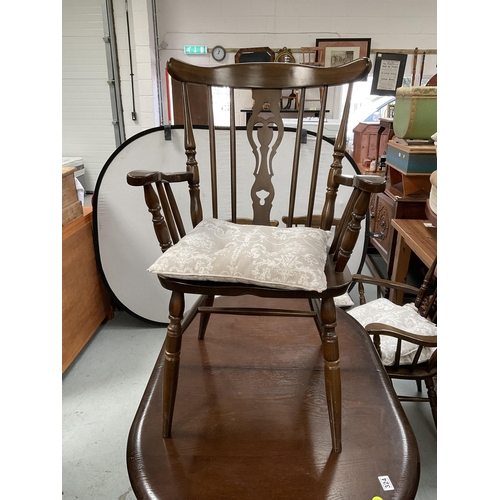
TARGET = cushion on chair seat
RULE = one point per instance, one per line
(403, 317)
(343, 300)
(215, 250)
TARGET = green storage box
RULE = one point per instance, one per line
(415, 112)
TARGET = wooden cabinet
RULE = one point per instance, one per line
(387, 206)
(85, 301)
(71, 206)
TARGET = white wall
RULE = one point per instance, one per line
(293, 23)
(87, 129)
(143, 64)
(391, 24)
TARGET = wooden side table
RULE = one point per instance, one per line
(417, 236)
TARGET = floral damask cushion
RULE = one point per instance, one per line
(343, 300)
(215, 250)
(403, 317)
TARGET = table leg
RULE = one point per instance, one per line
(400, 268)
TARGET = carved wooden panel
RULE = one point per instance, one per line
(383, 208)
(381, 212)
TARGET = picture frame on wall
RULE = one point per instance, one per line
(254, 54)
(338, 51)
(388, 73)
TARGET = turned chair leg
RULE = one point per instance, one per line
(332, 371)
(431, 392)
(172, 360)
(204, 317)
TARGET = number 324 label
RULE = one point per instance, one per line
(386, 483)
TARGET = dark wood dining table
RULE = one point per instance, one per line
(251, 420)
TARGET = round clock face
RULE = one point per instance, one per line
(219, 53)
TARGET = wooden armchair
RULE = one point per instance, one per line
(405, 336)
(235, 251)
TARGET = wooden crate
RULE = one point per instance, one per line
(404, 184)
(71, 206)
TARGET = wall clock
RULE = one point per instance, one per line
(219, 53)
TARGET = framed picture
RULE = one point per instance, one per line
(388, 73)
(255, 54)
(338, 51)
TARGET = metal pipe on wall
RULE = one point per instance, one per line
(134, 114)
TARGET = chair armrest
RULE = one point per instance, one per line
(361, 278)
(161, 202)
(381, 329)
(370, 183)
(144, 177)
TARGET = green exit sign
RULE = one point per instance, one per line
(195, 49)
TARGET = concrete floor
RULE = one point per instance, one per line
(101, 391)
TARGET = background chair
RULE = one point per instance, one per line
(313, 56)
(236, 252)
(405, 336)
